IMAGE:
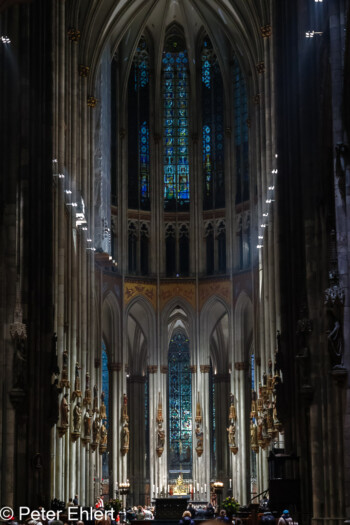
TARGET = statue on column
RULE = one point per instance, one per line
(125, 417)
(103, 438)
(87, 397)
(64, 377)
(55, 392)
(87, 427)
(231, 430)
(199, 438)
(64, 410)
(336, 344)
(76, 421)
(20, 365)
(160, 440)
(95, 433)
(95, 405)
(125, 438)
(254, 437)
(103, 413)
(77, 385)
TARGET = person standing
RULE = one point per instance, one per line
(286, 519)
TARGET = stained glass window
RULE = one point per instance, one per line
(175, 126)
(180, 407)
(213, 421)
(212, 129)
(105, 378)
(241, 134)
(138, 130)
(147, 425)
(105, 389)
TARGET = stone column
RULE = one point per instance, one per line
(137, 466)
(222, 385)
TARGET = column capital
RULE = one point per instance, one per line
(205, 369)
(152, 369)
(164, 369)
(193, 369)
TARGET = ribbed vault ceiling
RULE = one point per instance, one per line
(118, 25)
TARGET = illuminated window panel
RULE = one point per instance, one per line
(138, 131)
(180, 407)
(175, 129)
(212, 130)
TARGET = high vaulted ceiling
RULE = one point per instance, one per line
(114, 25)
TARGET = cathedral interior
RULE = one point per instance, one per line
(174, 265)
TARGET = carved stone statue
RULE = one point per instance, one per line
(335, 345)
(103, 435)
(20, 365)
(254, 437)
(64, 376)
(199, 437)
(77, 418)
(125, 439)
(160, 437)
(125, 435)
(64, 411)
(87, 424)
(96, 430)
(55, 392)
(103, 413)
(77, 386)
(231, 434)
(95, 405)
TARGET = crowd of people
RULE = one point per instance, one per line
(145, 513)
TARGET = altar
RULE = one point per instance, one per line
(170, 508)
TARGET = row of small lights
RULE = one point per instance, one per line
(80, 218)
(5, 39)
(311, 33)
(269, 200)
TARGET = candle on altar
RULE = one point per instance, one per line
(230, 483)
(197, 487)
(205, 487)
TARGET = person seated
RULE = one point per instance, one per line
(186, 519)
(209, 511)
(223, 517)
(192, 510)
(148, 514)
(285, 519)
(140, 515)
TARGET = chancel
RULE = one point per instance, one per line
(174, 263)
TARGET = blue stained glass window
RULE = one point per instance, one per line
(241, 134)
(175, 129)
(180, 407)
(213, 421)
(212, 131)
(105, 389)
(105, 379)
(138, 130)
